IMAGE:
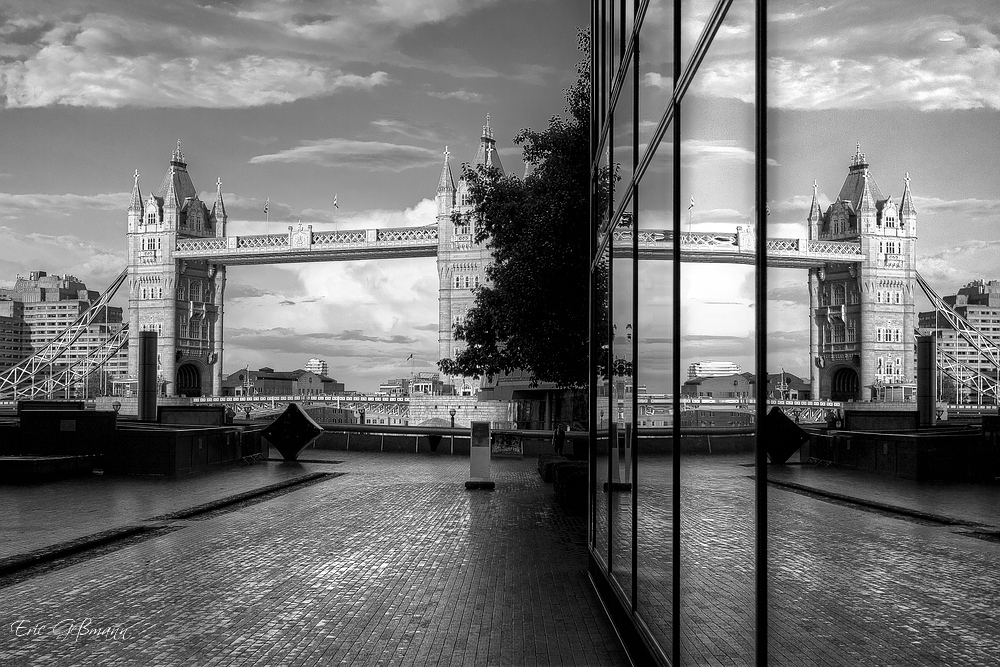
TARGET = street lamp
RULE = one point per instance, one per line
(451, 411)
(361, 415)
(116, 406)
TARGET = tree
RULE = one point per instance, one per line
(532, 313)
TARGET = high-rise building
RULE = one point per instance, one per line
(979, 304)
(38, 308)
(317, 366)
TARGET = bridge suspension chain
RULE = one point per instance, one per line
(22, 380)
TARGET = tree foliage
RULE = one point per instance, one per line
(532, 313)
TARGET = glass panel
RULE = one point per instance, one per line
(656, 67)
(853, 133)
(623, 138)
(655, 377)
(600, 459)
(622, 393)
(717, 324)
(694, 17)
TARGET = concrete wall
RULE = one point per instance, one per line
(424, 407)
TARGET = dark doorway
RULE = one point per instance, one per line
(188, 381)
(845, 385)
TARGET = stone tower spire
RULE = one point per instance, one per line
(135, 203)
(446, 186)
(218, 214)
(907, 213)
(487, 154)
(815, 213)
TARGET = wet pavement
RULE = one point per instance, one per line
(900, 580)
(394, 562)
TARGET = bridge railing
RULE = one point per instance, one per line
(304, 239)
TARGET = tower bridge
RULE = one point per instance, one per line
(860, 255)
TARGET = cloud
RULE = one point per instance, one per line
(461, 95)
(212, 55)
(78, 69)
(719, 150)
(369, 155)
(409, 129)
(888, 55)
(90, 260)
(239, 290)
(20, 205)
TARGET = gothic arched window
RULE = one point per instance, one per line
(839, 295)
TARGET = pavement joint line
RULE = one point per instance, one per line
(873, 504)
(67, 559)
(13, 564)
(234, 499)
(330, 461)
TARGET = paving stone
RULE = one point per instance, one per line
(393, 563)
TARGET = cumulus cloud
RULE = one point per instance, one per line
(370, 155)
(203, 55)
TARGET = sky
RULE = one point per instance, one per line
(300, 100)
(294, 102)
(915, 82)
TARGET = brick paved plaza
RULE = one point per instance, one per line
(395, 563)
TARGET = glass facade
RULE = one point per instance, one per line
(701, 556)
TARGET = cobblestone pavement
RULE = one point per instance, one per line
(847, 585)
(41, 515)
(954, 501)
(393, 563)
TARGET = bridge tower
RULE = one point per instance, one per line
(862, 315)
(461, 263)
(179, 299)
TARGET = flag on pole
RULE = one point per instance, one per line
(267, 204)
(409, 357)
(335, 202)
(691, 205)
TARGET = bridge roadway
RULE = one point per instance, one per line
(305, 245)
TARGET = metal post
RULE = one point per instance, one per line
(760, 304)
(452, 413)
(147, 376)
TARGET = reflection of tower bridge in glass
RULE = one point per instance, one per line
(860, 255)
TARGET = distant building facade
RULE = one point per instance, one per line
(38, 308)
(269, 382)
(426, 382)
(737, 385)
(317, 366)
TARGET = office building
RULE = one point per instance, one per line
(39, 307)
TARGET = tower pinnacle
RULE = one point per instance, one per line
(135, 203)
